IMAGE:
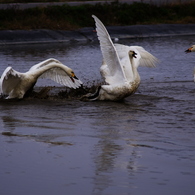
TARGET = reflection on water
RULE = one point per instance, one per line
(65, 146)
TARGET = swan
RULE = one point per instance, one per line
(119, 67)
(16, 84)
(191, 49)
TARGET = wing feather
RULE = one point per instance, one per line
(146, 58)
(44, 63)
(123, 53)
(9, 80)
(114, 72)
(57, 73)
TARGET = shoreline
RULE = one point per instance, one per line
(11, 37)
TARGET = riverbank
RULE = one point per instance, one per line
(8, 37)
(65, 23)
(68, 18)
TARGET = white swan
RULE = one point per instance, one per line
(16, 84)
(119, 68)
(191, 49)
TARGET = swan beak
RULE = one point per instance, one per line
(72, 77)
(134, 55)
(189, 50)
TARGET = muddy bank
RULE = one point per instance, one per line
(8, 37)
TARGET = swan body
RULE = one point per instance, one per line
(16, 84)
(119, 67)
(126, 84)
(191, 49)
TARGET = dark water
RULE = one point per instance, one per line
(144, 145)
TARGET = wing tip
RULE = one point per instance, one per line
(6, 72)
(76, 83)
(93, 16)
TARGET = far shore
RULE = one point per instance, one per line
(8, 37)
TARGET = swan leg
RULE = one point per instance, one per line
(90, 96)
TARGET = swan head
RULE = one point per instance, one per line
(192, 48)
(71, 74)
(132, 54)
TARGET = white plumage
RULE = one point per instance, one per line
(16, 84)
(119, 67)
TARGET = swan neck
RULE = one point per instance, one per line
(134, 68)
(38, 72)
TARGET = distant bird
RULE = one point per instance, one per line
(191, 49)
(119, 67)
(16, 84)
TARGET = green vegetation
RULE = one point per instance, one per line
(69, 18)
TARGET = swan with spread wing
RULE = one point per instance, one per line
(119, 67)
(16, 84)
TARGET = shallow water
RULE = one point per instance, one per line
(143, 145)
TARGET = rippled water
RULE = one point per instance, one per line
(144, 145)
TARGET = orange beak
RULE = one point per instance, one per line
(72, 77)
(189, 50)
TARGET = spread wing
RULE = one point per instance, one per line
(61, 77)
(147, 59)
(57, 72)
(9, 80)
(123, 53)
(144, 58)
(44, 63)
(112, 68)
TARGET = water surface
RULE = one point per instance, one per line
(144, 144)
